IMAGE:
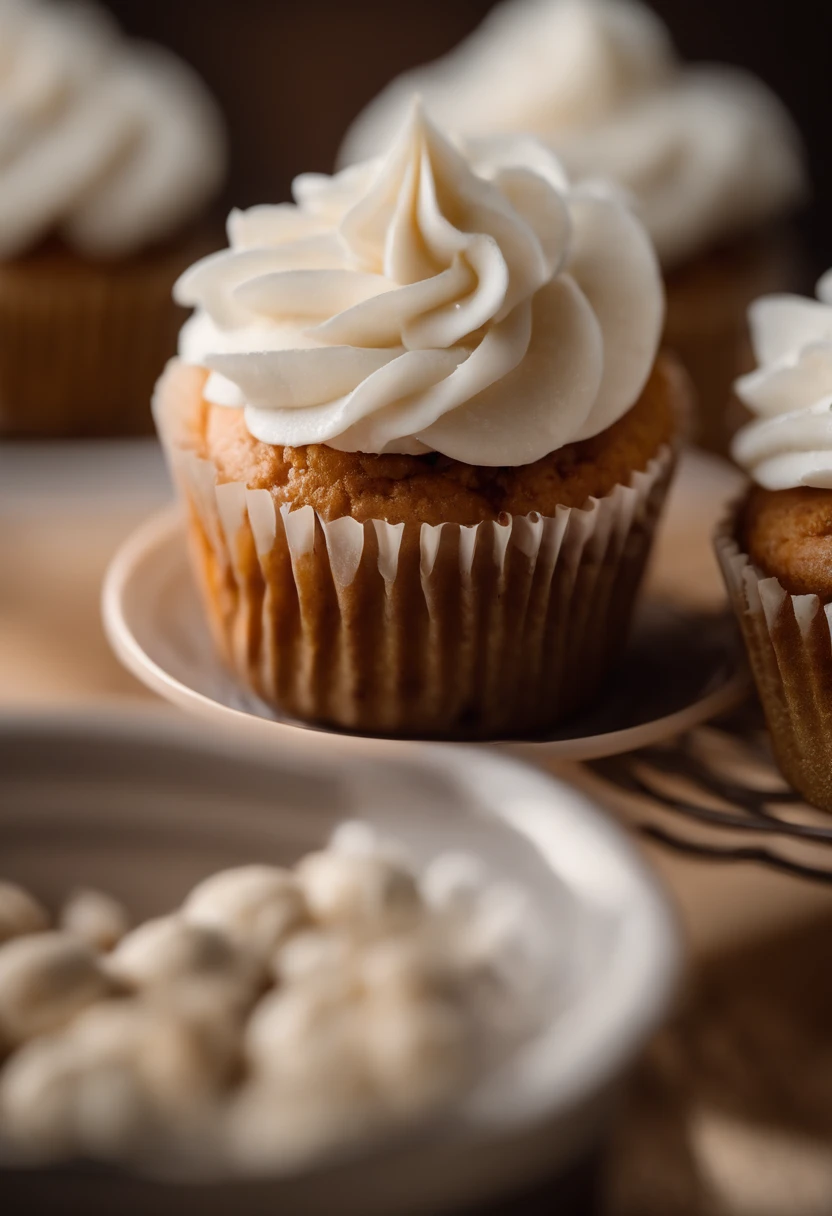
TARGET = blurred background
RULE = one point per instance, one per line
(290, 76)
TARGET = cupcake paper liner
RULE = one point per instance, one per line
(789, 643)
(497, 629)
(83, 344)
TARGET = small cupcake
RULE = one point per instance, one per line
(708, 154)
(775, 548)
(424, 438)
(110, 151)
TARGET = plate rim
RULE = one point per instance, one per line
(162, 529)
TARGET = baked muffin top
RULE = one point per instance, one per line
(788, 535)
(434, 489)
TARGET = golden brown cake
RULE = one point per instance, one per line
(434, 489)
(788, 536)
(423, 461)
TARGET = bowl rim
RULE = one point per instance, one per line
(643, 983)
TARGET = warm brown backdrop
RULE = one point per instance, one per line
(291, 73)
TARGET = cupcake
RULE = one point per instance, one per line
(110, 151)
(423, 435)
(708, 154)
(775, 548)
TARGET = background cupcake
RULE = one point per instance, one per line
(776, 549)
(708, 154)
(424, 439)
(110, 151)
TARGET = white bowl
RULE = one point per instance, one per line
(144, 806)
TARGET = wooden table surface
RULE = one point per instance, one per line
(757, 939)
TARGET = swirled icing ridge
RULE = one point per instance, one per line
(705, 151)
(789, 444)
(461, 301)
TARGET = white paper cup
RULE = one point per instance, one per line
(502, 628)
(789, 645)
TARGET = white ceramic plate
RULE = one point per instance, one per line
(682, 666)
(144, 804)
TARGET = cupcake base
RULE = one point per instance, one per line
(496, 629)
(789, 643)
(83, 341)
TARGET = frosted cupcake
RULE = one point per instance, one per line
(776, 548)
(708, 154)
(110, 151)
(424, 438)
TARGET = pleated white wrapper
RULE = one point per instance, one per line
(497, 629)
(789, 643)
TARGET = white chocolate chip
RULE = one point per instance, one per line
(53, 1104)
(354, 838)
(389, 992)
(33, 1088)
(258, 906)
(498, 930)
(20, 913)
(270, 1125)
(46, 979)
(357, 838)
(453, 881)
(186, 1061)
(308, 1033)
(110, 1111)
(96, 918)
(169, 949)
(181, 1057)
(312, 952)
(409, 965)
(418, 1051)
(226, 998)
(123, 1072)
(367, 892)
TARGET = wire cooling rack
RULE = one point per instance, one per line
(716, 793)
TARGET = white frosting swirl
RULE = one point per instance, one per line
(706, 152)
(790, 442)
(414, 304)
(111, 143)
